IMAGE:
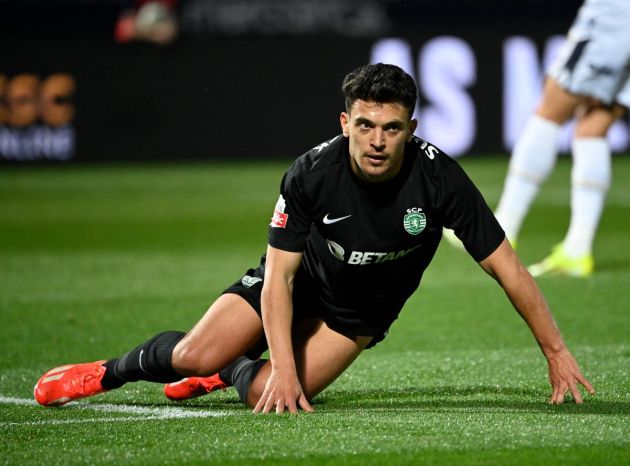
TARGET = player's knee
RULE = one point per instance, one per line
(591, 129)
(557, 115)
(557, 105)
(192, 359)
(595, 121)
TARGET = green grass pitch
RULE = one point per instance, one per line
(96, 259)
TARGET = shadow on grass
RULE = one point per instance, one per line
(207, 402)
(613, 265)
(449, 398)
(426, 399)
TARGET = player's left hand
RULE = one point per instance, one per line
(284, 391)
(564, 375)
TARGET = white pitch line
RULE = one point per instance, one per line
(56, 422)
(139, 413)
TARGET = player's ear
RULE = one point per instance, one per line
(344, 119)
(413, 124)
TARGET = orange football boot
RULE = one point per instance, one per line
(62, 384)
(193, 387)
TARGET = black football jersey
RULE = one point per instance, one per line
(366, 245)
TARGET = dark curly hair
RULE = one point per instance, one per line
(380, 83)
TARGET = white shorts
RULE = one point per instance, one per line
(595, 59)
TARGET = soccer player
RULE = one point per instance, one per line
(589, 80)
(358, 220)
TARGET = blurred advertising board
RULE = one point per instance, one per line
(236, 88)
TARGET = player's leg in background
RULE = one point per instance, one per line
(533, 157)
(590, 180)
(321, 355)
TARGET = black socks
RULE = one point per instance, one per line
(241, 373)
(151, 361)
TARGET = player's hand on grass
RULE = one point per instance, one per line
(284, 392)
(565, 375)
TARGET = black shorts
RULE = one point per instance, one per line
(306, 302)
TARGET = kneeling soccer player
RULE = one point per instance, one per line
(358, 220)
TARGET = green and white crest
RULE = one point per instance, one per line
(415, 220)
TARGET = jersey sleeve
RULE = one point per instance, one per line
(465, 211)
(291, 221)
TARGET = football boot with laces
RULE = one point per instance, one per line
(62, 384)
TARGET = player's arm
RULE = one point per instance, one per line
(564, 374)
(283, 388)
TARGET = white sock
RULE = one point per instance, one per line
(590, 179)
(532, 160)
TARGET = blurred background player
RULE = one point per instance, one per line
(589, 80)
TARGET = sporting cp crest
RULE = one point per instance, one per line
(415, 221)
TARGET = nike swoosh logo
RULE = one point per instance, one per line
(328, 221)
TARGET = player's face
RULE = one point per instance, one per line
(377, 133)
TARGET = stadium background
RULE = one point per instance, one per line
(248, 79)
(132, 217)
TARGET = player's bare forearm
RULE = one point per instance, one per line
(277, 316)
(505, 266)
(282, 389)
(564, 373)
(277, 307)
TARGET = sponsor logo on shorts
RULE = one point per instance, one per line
(248, 281)
(414, 221)
(601, 70)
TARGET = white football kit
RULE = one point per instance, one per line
(595, 60)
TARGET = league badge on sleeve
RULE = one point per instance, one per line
(279, 219)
